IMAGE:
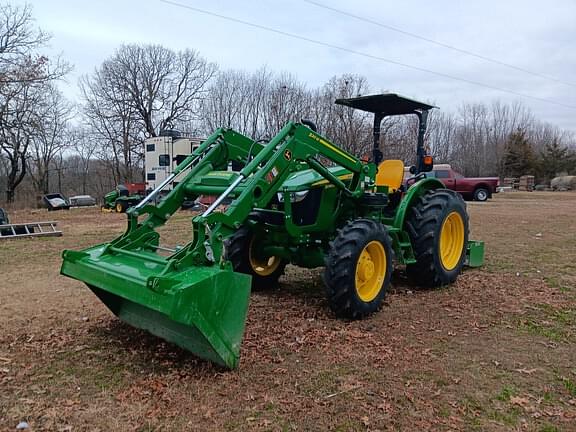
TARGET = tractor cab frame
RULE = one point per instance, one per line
(391, 104)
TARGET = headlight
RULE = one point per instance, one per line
(294, 196)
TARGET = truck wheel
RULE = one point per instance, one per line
(358, 269)
(480, 194)
(241, 251)
(120, 207)
(438, 228)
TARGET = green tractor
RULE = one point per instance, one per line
(123, 197)
(296, 199)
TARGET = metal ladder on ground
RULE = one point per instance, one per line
(32, 229)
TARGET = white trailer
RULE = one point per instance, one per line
(164, 153)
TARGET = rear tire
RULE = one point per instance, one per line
(481, 194)
(358, 269)
(438, 228)
(120, 207)
(241, 250)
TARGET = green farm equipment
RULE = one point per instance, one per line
(123, 197)
(296, 199)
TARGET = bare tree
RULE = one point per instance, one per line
(398, 138)
(163, 87)
(227, 103)
(114, 123)
(442, 129)
(17, 127)
(348, 127)
(261, 103)
(287, 99)
(20, 63)
(238, 100)
(18, 41)
(84, 144)
(50, 136)
(139, 91)
(23, 75)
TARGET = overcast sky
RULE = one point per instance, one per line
(533, 35)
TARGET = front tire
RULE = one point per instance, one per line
(358, 269)
(438, 228)
(241, 251)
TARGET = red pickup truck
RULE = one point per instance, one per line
(477, 188)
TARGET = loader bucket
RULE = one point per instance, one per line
(201, 309)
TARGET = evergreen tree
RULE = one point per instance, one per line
(571, 162)
(554, 160)
(519, 158)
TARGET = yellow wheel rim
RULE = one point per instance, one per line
(262, 266)
(118, 208)
(370, 271)
(451, 240)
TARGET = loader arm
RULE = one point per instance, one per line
(294, 148)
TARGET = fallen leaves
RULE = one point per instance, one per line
(520, 401)
(432, 351)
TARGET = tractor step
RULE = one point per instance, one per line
(405, 248)
(475, 254)
(31, 229)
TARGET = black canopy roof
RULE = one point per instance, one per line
(387, 104)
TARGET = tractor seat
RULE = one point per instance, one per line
(391, 174)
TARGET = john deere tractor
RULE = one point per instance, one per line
(123, 197)
(297, 199)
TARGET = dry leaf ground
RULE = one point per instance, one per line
(494, 352)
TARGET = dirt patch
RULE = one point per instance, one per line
(495, 351)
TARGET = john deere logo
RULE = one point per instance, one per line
(288, 154)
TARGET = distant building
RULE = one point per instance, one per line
(164, 153)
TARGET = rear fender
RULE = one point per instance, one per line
(416, 190)
(486, 186)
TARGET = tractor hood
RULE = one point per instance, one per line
(307, 179)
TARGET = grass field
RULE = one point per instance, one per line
(494, 352)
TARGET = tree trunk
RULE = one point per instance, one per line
(15, 176)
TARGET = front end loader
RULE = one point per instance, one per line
(297, 199)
